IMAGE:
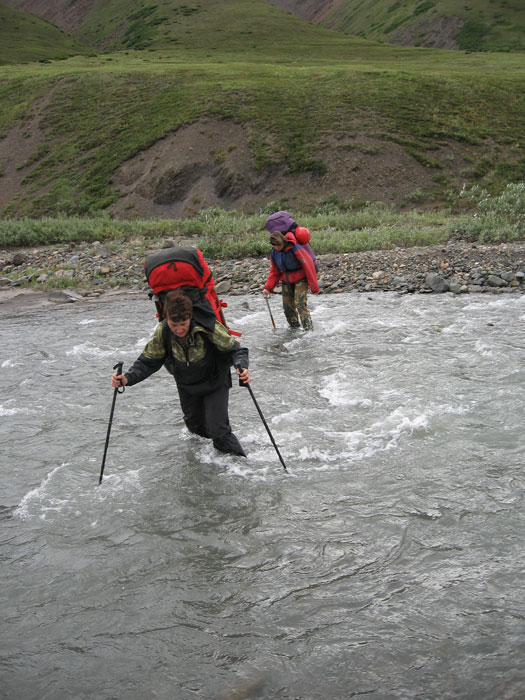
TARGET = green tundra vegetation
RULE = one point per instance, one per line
(338, 228)
(293, 83)
(26, 38)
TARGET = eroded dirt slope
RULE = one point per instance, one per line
(210, 163)
(68, 15)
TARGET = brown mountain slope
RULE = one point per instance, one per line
(436, 32)
(310, 10)
(362, 168)
(68, 15)
(183, 173)
(496, 25)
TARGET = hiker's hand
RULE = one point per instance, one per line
(118, 380)
(265, 293)
(243, 375)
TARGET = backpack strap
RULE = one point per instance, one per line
(166, 340)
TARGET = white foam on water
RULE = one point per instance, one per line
(338, 391)
(123, 479)
(186, 436)
(254, 318)
(459, 327)
(359, 446)
(334, 327)
(80, 407)
(308, 453)
(296, 417)
(254, 438)
(483, 349)
(442, 408)
(396, 425)
(89, 321)
(90, 351)
(231, 464)
(11, 411)
(245, 471)
(59, 491)
(37, 495)
(296, 344)
(383, 434)
(501, 302)
(6, 364)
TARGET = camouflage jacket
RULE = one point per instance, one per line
(200, 364)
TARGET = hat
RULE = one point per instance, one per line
(277, 238)
(280, 221)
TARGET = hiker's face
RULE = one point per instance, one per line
(179, 328)
(275, 246)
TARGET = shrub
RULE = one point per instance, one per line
(471, 36)
(501, 217)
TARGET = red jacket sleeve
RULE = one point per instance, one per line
(309, 268)
(273, 277)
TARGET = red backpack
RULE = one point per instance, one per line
(185, 269)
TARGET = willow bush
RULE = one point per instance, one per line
(226, 234)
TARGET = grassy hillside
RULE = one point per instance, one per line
(486, 25)
(25, 37)
(133, 24)
(305, 103)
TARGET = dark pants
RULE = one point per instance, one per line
(207, 416)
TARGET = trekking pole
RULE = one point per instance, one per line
(264, 422)
(118, 367)
(269, 311)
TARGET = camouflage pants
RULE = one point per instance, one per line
(295, 304)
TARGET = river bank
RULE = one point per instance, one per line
(64, 274)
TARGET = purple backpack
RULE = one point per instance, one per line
(280, 221)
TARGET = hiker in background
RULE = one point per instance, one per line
(292, 262)
(200, 360)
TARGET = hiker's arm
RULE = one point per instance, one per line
(240, 362)
(273, 278)
(227, 345)
(149, 361)
(240, 356)
(142, 368)
(309, 269)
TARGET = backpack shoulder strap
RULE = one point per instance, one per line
(166, 338)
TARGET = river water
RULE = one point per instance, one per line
(388, 562)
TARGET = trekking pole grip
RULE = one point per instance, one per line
(241, 383)
(118, 370)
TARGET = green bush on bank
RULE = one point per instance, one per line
(336, 228)
(499, 218)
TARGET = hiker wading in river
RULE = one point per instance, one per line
(200, 360)
(292, 262)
